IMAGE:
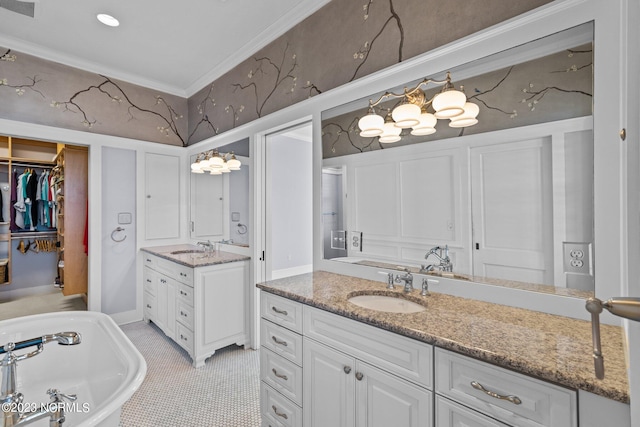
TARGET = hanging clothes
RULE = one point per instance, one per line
(32, 193)
(19, 205)
(13, 199)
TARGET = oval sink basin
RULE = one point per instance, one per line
(387, 304)
(187, 251)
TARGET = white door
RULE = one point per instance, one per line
(512, 211)
(329, 389)
(162, 187)
(385, 400)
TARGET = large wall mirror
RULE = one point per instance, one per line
(508, 200)
(220, 202)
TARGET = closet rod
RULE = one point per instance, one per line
(33, 235)
(44, 164)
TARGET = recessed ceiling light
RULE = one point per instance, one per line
(108, 20)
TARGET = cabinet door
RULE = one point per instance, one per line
(162, 188)
(384, 400)
(161, 298)
(207, 206)
(170, 326)
(329, 387)
(220, 305)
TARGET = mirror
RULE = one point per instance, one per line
(220, 203)
(509, 200)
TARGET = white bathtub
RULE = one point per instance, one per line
(104, 370)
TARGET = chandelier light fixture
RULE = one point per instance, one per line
(215, 163)
(412, 112)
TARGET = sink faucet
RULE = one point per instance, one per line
(206, 246)
(442, 254)
(407, 278)
(12, 400)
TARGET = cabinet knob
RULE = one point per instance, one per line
(359, 376)
(347, 369)
(148, 196)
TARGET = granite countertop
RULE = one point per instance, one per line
(193, 259)
(549, 347)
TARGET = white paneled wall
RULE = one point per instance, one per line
(519, 193)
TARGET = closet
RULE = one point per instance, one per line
(43, 215)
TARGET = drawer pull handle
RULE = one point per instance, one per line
(182, 337)
(148, 281)
(513, 399)
(277, 341)
(347, 369)
(148, 260)
(359, 376)
(182, 313)
(283, 312)
(148, 306)
(281, 376)
(275, 411)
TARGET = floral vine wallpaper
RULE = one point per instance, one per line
(554, 87)
(341, 42)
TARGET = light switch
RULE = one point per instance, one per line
(124, 218)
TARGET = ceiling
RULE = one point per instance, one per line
(174, 46)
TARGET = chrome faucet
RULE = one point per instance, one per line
(12, 400)
(442, 254)
(206, 246)
(407, 278)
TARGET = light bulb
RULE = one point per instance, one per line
(406, 115)
(370, 125)
(468, 118)
(449, 104)
(426, 126)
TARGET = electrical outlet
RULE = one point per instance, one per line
(578, 258)
(356, 241)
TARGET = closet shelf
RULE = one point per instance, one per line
(32, 161)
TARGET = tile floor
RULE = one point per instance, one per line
(223, 393)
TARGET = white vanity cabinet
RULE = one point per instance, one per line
(202, 309)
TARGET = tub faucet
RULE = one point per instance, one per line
(407, 278)
(12, 400)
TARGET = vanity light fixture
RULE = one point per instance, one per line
(215, 163)
(412, 112)
(108, 20)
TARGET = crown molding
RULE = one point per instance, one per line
(287, 21)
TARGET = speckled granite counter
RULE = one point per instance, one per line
(553, 348)
(195, 259)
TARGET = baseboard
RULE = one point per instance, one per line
(126, 317)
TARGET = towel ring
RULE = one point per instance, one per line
(242, 229)
(118, 229)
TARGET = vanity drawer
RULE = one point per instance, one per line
(282, 311)
(150, 306)
(185, 294)
(281, 341)
(405, 357)
(184, 337)
(185, 315)
(276, 408)
(281, 374)
(451, 414)
(150, 277)
(527, 401)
